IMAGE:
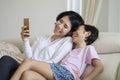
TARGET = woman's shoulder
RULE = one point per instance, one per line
(67, 38)
(43, 37)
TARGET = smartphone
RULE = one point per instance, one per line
(26, 23)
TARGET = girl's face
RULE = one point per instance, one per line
(80, 35)
(62, 26)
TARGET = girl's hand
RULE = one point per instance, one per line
(78, 79)
(76, 73)
(86, 79)
(25, 33)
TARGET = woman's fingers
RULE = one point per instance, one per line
(25, 33)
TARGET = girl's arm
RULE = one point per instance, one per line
(98, 68)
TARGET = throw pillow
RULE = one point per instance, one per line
(9, 47)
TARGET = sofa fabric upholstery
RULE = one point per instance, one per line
(107, 46)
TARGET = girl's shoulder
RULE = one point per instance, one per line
(90, 48)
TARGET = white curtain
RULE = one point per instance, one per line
(75, 5)
(90, 11)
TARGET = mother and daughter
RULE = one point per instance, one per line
(62, 58)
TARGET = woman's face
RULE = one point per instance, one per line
(62, 26)
(79, 35)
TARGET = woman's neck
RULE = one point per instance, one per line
(54, 37)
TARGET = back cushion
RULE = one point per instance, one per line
(108, 43)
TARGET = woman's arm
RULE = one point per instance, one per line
(98, 68)
(25, 33)
(27, 49)
(42, 68)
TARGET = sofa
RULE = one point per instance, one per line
(107, 46)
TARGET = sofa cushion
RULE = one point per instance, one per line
(110, 63)
(10, 50)
(15, 41)
(12, 54)
(107, 43)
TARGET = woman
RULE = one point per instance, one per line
(72, 66)
(46, 48)
(50, 49)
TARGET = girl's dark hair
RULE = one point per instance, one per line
(75, 20)
(94, 34)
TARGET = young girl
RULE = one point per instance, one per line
(72, 66)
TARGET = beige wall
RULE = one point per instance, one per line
(42, 14)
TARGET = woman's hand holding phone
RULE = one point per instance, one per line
(25, 33)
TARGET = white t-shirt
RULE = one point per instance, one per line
(45, 50)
